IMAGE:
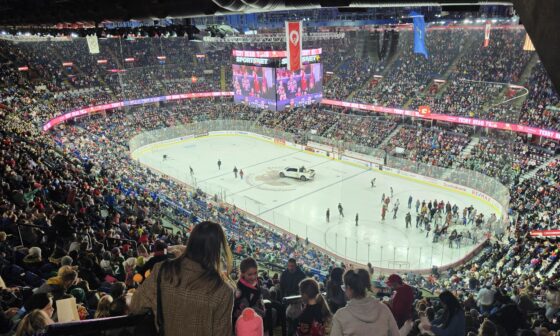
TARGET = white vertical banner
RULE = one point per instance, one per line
(487, 28)
(294, 37)
(93, 44)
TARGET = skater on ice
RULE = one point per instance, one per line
(191, 171)
(357, 219)
(328, 215)
(373, 182)
(410, 202)
(391, 192)
(340, 210)
(241, 174)
(235, 171)
(408, 220)
(395, 209)
(219, 164)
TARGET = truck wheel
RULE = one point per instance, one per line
(282, 175)
(303, 178)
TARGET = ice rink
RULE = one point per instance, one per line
(300, 207)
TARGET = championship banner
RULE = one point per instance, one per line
(419, 34)
(487, 28)
(93, 44)
(293, 44)
(528, 45)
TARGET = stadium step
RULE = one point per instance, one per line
(528, 69)
(388, 138)
(466, 151)
(467, 47)
(383, 72)
(533, 172)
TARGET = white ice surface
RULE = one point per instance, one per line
(300, 207)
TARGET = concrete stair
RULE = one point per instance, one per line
(388, 138)
(466, 151)
(385, 70)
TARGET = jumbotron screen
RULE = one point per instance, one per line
(302, 87)
(254, 86)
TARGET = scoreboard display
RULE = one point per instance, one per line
(265, 82)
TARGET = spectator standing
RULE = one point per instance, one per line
(363, 315)
(248, 292)
(335, 294)
(290, 279)
(316, 318)
(289, 286)
(196, 293)
(402, 299)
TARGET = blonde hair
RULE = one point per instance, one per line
(34, 322)
(103, 306)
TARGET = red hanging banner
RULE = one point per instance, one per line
(293, 44)
(487, 28)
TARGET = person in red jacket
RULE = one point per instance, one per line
(402, 299)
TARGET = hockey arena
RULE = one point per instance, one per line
(274, 167)
(299, 207)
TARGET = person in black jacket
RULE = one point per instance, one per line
(289, 286)
(335, 295)
(290, 279)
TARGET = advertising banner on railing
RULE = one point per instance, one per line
(92, 109)
(448, 118)
(545, 233)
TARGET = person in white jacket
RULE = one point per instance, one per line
(363, 315)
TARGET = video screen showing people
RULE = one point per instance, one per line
(302, 87)
(254, 86)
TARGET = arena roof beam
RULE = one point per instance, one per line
(25, 12)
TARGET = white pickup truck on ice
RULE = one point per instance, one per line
(301, 173)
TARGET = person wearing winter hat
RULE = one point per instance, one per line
(249, 323)
(402, 299)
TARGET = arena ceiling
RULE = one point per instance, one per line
(540, 17)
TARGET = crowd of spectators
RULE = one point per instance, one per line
(505, 159)
(434, 146)
(93, 221)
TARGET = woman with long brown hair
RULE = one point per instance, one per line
(196, 292)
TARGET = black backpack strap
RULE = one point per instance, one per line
(159, 313)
